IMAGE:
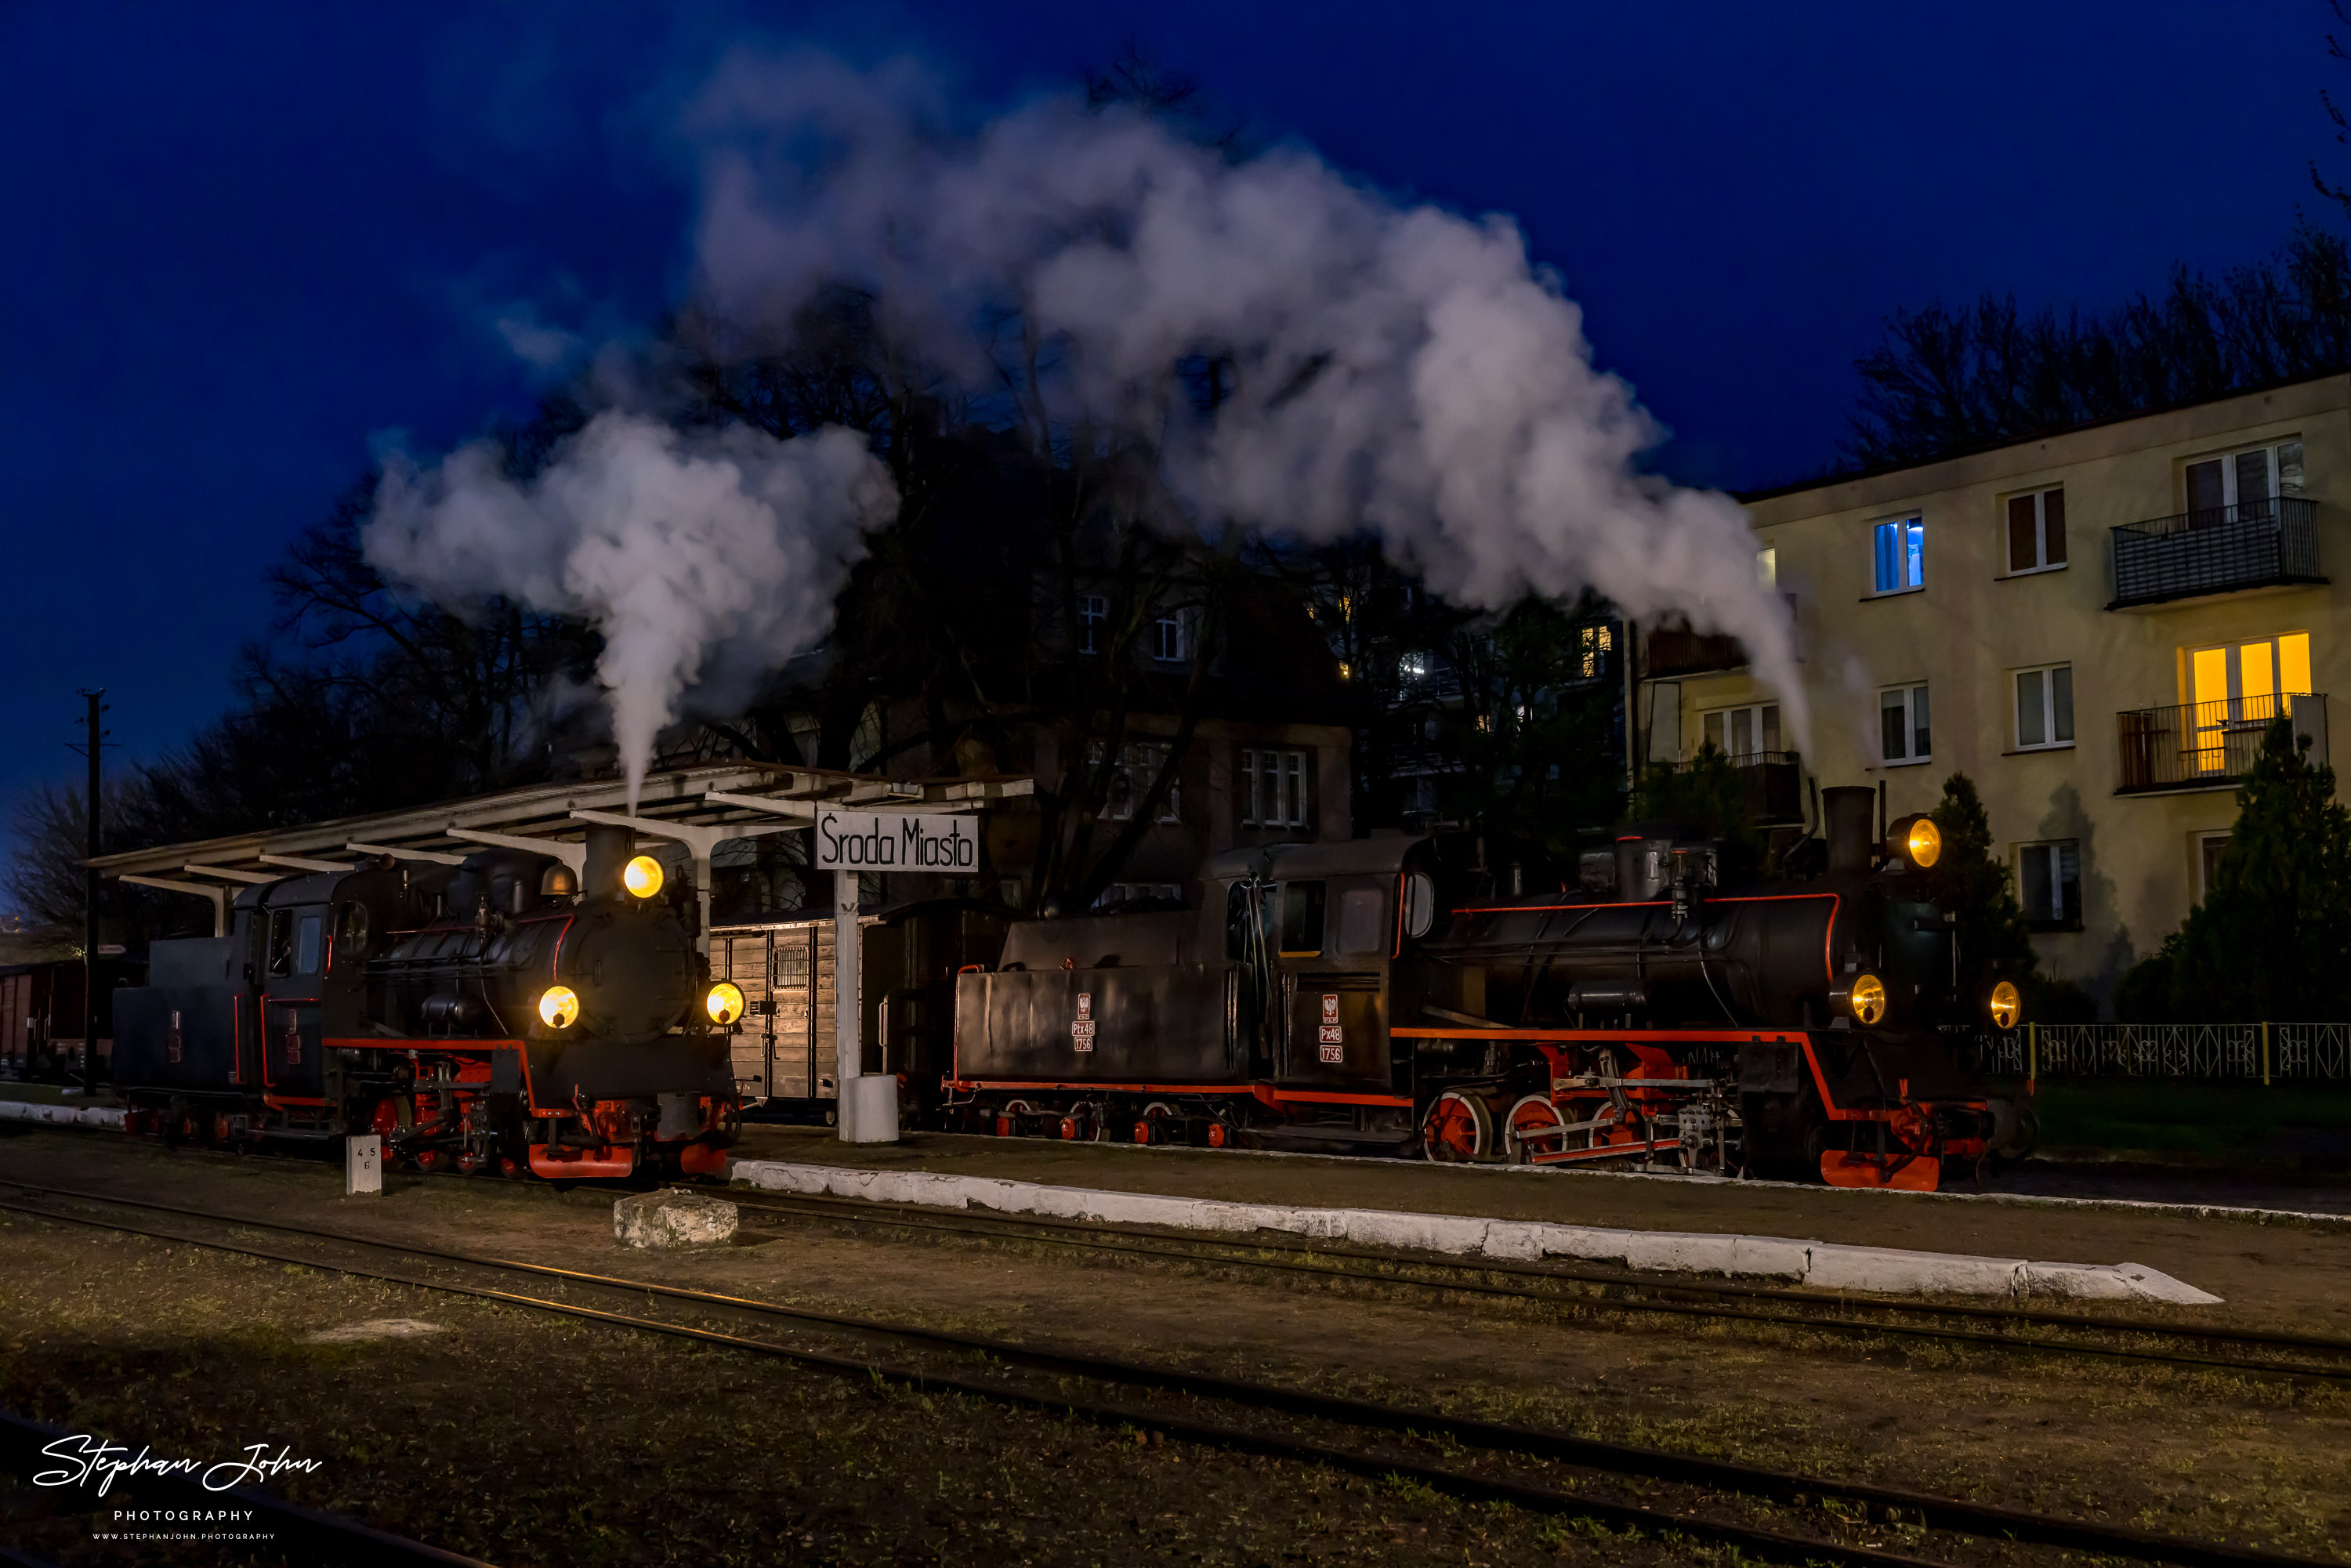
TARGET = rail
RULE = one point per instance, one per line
(2207, 744)
(2240, 1052)
(2216, 550)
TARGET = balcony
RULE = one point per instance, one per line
(2209, 746)
(1775, 787)
(1678, 650)
(2220, 549)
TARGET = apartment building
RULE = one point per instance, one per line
(2097, 626)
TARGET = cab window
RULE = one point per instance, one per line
(1302, 919)
(281, 941)
(310, 937)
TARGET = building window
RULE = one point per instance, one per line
(2247, 480)
(2044, 707)
(2036, 531)
(1273, 788)
(1593, 646)
(1744, 734)
(1902, 724)
(1901, 555)
(2049, 885)
(1767, 567)
(1094, 611)
(2210, 848)
(1138, 764)
(1171, 637)
(2240, 681)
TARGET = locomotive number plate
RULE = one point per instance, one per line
(1335, 1047)
(1081, 1034)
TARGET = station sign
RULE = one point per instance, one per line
(941, 844)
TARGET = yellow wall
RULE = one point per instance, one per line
(1972, 626)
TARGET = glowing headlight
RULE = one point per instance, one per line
(559, 1006)
(1923, 845)
(1866, 996)
(725, 1002)
(641, 876)
(2007, 1007)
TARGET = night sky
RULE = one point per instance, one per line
(237, 243)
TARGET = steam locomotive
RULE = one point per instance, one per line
(1376, 994)
(510, 1013)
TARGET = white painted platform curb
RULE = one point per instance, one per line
(1823, 1265)
(59, 1115)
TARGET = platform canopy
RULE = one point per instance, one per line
(697, 807)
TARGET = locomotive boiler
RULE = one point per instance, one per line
(507, 1014)
(1377, 994)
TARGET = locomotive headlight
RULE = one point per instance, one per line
(641, 876)
(559, 1006)
(1866, 996)
(2007, 1007)
(725, 1002)
(1914, 841)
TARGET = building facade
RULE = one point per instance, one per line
(2097, 626)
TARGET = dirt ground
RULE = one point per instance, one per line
(524, 1438)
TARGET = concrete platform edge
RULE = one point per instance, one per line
(1822, 1265)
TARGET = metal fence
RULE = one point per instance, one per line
(2257, 1052)
(2207, 743)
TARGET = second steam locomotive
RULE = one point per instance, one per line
(1368, 994)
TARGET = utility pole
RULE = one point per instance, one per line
(94, 749)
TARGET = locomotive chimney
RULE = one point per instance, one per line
(609, 849)
(1850, 813)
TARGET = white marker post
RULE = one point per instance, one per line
(848, 842)
(363, 1165)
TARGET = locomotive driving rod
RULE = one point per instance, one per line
(1935, 1511)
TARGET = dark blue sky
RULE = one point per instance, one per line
(238, 242)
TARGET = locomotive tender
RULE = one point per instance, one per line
(1365, 994)
(504, 1014)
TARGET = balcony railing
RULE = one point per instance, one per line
(1775, 787)
(2209, 744)
(2254, 544)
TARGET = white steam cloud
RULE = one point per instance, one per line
(1385, 366)
(692, 553)
(1397, 367)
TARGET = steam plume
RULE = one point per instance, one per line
(694, 554)
(1382, 366)
(1396, 367)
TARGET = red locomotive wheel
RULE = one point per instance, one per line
(1536, 1129)
(1458, 1128)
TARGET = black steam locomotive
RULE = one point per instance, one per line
(1374, 993)
(507, 1014)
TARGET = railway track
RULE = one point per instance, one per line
(1228, 1413)
(1613, 1290)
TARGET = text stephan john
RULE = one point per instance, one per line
(889, 840)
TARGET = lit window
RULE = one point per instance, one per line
(1767, 567)
(2036, 531)
(1901, 555)
(2049, 885)
(1744, 734)
(1594, 644)
(1094, 610)
(2044, 707)
(1902, 724)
